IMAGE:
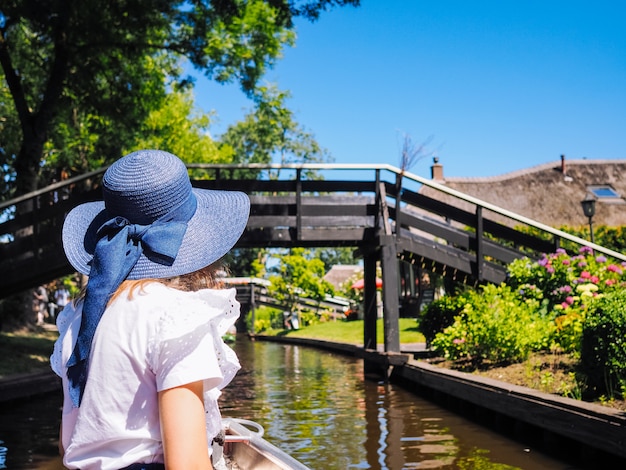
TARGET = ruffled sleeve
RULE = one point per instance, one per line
(188, 345)
(67, 316)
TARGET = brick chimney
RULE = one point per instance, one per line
(563, 172)
(436, 170)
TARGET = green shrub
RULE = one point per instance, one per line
(603, 347)
(495, 325)
(265, 318)
(308, 317)
(439, 314)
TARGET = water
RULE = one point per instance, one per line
(318, 407)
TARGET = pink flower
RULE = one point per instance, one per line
(566, 262)
(569, 300)
(610, 282)
(458, 340)
(614, 268)
(585, 274)
(594, 279)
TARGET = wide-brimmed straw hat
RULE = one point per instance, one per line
(142, 188)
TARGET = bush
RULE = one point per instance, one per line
(561, 281)
(439, 314)
(265, 318)
(495, 325)
(603, 347)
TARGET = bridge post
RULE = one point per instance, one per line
(370, 312)
(479, 243)
(299, 204)
(252, 306)
(389, 265)
(391, 306)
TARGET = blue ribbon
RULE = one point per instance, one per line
(120, 244)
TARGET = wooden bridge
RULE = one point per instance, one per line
(377, 209)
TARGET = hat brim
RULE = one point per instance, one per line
(216, 226)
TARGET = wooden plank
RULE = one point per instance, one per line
(353, 235)
(320, 186)
(449, 256)
(332, 221)
(273, 221)
(453, 235)
(337, 209)
(386, 359)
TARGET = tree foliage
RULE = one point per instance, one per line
(270, 133)
(299, 275)
(179, 128)
(332, 256)
(83, 76)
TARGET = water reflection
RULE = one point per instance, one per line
(318, 407)
(29, 433)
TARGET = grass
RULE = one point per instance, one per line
(25, 351)
(351, 332)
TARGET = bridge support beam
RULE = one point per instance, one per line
(370, 310)
(391, 305)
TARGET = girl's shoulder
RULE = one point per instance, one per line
(182, 311)
(161, 294)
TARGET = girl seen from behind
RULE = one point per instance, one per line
(141, 354)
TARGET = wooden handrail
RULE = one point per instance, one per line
(378, 168)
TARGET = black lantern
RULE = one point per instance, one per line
(589, 209)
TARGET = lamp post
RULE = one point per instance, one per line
(589, 209)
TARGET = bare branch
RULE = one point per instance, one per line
(412, 153)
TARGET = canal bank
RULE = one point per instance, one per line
(559, 425)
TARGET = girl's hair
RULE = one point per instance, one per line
(205, 278)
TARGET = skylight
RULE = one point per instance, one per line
(604, 192)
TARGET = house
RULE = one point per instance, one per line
(550, 193)
(340, 273)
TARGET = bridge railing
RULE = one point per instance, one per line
(293, 204)
(407, 182)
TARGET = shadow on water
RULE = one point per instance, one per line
(318, 407)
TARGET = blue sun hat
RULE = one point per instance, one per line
(151, 224)
(141, 188)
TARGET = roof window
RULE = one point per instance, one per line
(604, 192)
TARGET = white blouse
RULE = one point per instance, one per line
(155, 339)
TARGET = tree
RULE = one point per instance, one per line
(246, 262)
(335, 255)
(181, 129)
(103, 65)
(269, 133)
(299, 276)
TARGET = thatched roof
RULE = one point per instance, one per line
(340, 273)
(550, 193)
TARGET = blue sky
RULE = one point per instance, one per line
(491, 86)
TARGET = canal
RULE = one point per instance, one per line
(318, 407)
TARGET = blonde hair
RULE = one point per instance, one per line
(205, 278)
